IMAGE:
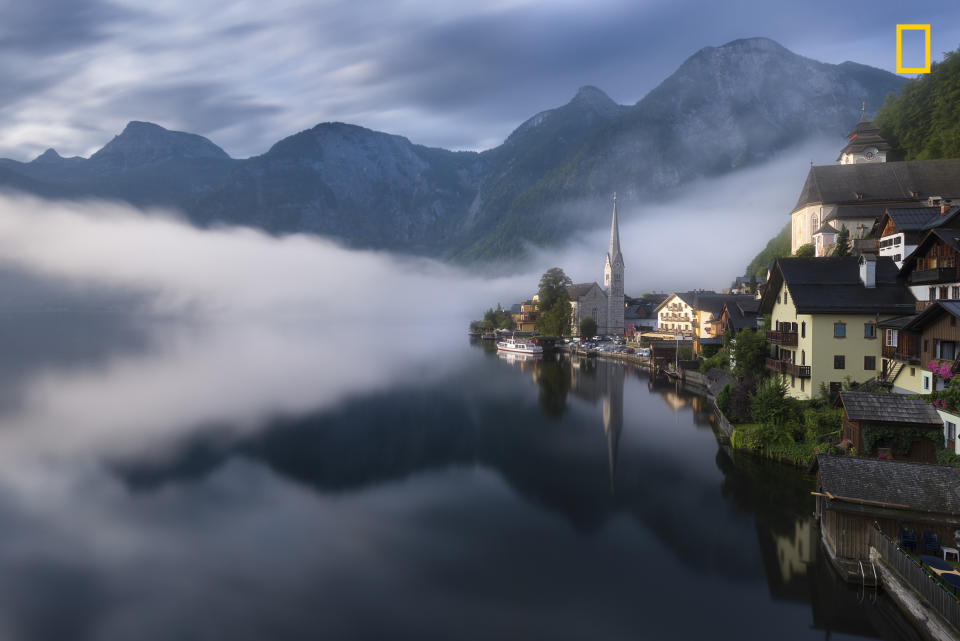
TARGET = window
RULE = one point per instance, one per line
(891, 338)
(926, 381)
(955, 292)
(784, 295)
(803, 329)
(801, 384)
(932, 294)
(803, 357)
(869, 362)
(949, 434)
(869, 330)
(839, 330)
(897, 257)
(943, 292)
(947, 350)
(793, 381)
(926, 345)
(839, 361)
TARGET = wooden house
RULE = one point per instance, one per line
(911, 344)
(892, 424)
(854, 493)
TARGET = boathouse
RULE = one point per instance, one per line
(854, 493)
(891, 425)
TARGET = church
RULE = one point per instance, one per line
(604, 304)
(857, 191)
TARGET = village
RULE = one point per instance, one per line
(843, 360)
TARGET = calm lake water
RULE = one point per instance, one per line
(170, 480)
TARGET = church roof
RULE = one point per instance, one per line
(579, 290)
(614, 249)
(864, 136)
(881, 182)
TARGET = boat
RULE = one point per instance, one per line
(519, 347)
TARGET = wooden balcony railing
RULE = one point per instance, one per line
(907, 353)
(786, 367)
(935, 275)
(782, 338)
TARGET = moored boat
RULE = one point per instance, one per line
(519, 347)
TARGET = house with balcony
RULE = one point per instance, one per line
(931, 269)
(526, 320)
(824, 314)
(709, 329)
(900, 229)
(677, 313)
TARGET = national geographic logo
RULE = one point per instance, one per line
(925, 28)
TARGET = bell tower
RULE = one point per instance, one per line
(613, 278)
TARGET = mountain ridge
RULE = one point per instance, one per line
(723, 108)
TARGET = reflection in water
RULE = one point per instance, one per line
(239, 481)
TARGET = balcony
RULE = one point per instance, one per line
(906, 353)
(782, 338)
(786, 367)
(921, 305)
(935, 275)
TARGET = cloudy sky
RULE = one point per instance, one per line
(452, 74)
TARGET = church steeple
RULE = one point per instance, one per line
(614, 250)
(613, 278)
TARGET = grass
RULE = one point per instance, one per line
(745, 438)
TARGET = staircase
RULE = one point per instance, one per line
(890, 375)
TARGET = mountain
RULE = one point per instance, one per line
(725, 107)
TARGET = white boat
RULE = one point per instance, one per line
(519, 347)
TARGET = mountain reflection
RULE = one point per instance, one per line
(337, 482)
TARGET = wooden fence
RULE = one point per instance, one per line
(919, 578)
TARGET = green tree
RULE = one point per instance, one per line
(554, 317)
(778, 247)
(588, 327)
(924, 120)
(805, 251)
(499, 318)
(771, 409)
(749, 354)
(842, 246)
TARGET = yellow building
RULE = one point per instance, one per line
(823, 318)
(526, 320)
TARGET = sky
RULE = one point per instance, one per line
(450, 74)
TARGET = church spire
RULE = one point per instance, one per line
(614, 233)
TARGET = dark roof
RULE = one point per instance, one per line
(888, 408)
(742, 314)
(931, 313)
(690, 298)
(635, 312)
(949, 235)
(919, 486)
(913, 220)
(833, 285)
(578, 290)
(854, 212)
(826, 228)
(864, 136)
(516, 308)
(909, 181)
(898, 322)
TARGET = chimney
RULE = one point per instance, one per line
(944, 207)
(868, 270)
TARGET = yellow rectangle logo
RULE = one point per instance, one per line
(925, 28)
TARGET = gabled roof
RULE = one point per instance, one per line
(833, 285)
(950, 236)
(579, 290)
(889, 408)
(898, 322)
(742, 314)
(917, 486)
(826, 228)
(910, 181)
(914, 219)
(931, 313)
(690, 298)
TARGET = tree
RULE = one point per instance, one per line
(499, 318)
(842, 247)
(588, 327)
(805, 251)
(749, 354)
(778, 247)
(554, 318)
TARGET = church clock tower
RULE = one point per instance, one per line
(613, 279)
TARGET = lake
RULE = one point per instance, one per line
(165, 479)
